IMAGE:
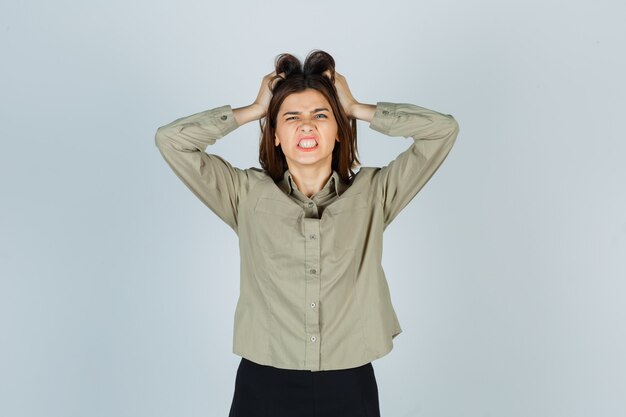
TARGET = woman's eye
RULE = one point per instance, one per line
(317, 116)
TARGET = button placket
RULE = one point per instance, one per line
(312, 292)
(311, 210)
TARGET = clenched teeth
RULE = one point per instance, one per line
(307, 143)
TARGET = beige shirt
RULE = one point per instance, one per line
(313, 294)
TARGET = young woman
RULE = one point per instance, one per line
(314, 307)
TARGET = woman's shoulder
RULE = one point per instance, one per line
(257, 174)
(362, 178)
(364, 173)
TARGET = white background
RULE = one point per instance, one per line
(507, 271)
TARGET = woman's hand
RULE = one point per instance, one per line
(346, 98)
(353, 108)
(258, 109)
(265, 94)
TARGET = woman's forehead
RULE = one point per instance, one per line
(305, 101)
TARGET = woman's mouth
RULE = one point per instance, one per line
(307, 143)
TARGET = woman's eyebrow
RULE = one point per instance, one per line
(299, 112)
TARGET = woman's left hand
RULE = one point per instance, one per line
(347, 100)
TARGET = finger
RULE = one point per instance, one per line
(272, 80)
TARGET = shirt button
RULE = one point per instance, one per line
(310, 204)
(312, 237)
(385, 112)
(313, 338)
(224, 117)
(313, 271)
(313, 305)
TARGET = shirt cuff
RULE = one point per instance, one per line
(223, 118)
(384, 117)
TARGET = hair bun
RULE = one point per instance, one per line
(288, 64)
(317, 62)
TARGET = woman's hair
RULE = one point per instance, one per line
(295, 79)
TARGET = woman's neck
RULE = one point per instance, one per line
(310, 181)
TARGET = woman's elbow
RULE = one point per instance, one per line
(162, 136)
(453, 125)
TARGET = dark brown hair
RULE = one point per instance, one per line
(297, 78)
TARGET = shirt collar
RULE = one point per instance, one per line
(287, 184)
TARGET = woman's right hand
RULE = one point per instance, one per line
(258, 109)
(262, 101)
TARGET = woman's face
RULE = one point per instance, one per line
(306, 130)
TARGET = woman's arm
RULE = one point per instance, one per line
(433, 135)
(183, 142)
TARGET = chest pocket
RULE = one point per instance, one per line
(276, 225)
(348, 221)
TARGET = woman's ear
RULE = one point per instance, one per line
(276, 140)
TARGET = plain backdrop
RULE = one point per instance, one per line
(507, 271)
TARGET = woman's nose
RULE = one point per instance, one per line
(307, 125)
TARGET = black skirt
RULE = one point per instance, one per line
(265, 391)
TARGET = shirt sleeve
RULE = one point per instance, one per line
(218, 184)
(433, 135)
